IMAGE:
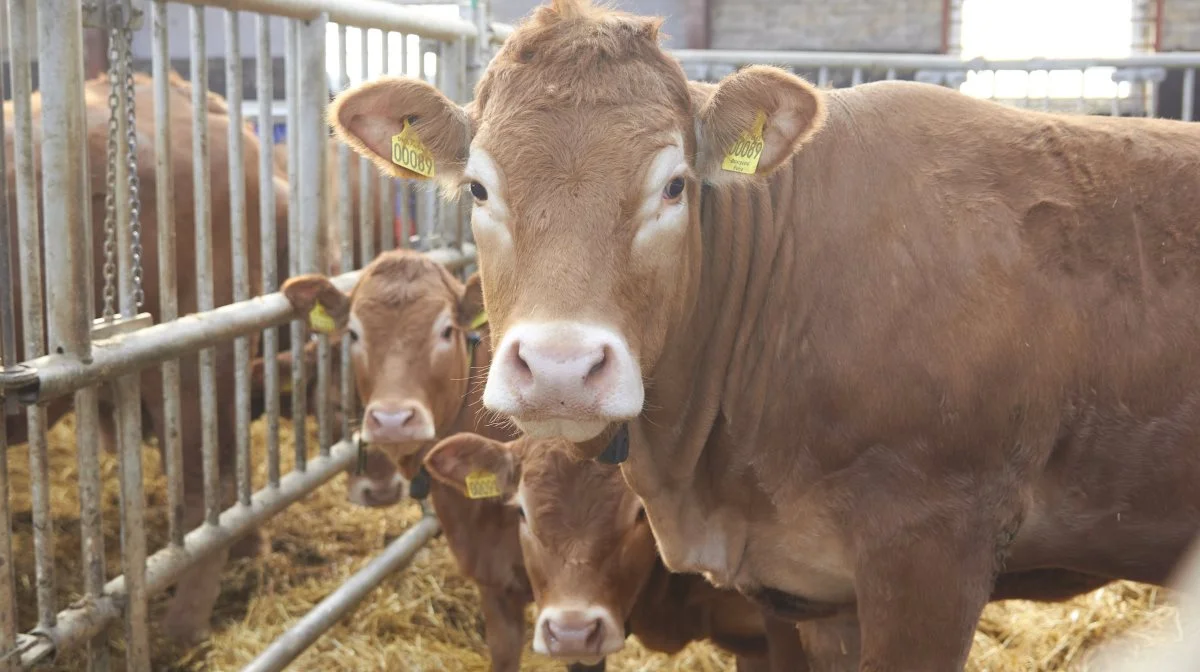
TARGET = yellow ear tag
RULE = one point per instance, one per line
(744, 155)
(409, 152)
(320, 320)
(480, 320)
(285, 384)
(482, 485)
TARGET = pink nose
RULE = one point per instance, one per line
(387, 423)
(574, 633)
(560, 374)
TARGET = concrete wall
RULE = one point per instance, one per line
(1181, 25)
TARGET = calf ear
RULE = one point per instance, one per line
(392, 120)
(476, 466)
(314, 296)
(753, 121)
(470, 306)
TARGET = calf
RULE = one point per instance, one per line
(418, 365)
(873, 346)
(592, 563)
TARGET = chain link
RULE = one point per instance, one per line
(120, 72)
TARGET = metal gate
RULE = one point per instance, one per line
(88, 348)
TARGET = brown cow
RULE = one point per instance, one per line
(595, 573)
(410, 322)
(873, 346)
(188, 614)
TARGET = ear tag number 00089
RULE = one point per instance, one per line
(744, 155)
(482, 485)
(320, 320)
(409, 152)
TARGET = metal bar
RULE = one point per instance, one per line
(372, 13)
(366, 214)
(407, 214)
(165, 567)
(346, 236)
(856, 77)
(30, 254)
(815, 59)
(168, 285)
(270, 281)
(146, 347)
(387, 198)
(427, 199)
(91, 531)
(241, 254)
(8, 356)
(299, 378)
(823, 77)
(501, 31)
(1189, 93)
(129, 410)
(398, 554)
(8, 578)
(60, 60)
(204, 263)
(313, 143)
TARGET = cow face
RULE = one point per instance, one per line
(586, 543)
(407, 320)
(584, 154)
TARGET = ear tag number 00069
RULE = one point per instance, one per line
(744, 155)
(320, 320)
(482, 485)
(409, 152)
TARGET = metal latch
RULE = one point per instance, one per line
(110, 14)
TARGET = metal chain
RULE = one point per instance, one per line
(110, 194)
(135, 201)
(120, 57)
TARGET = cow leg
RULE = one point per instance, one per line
(504, 627)
(920, 595)
(784, 651)
(829, 644)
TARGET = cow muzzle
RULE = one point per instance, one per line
(397, 423)
(584, 635)
(564, 379)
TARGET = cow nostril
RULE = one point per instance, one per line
(598, 367)
(519, 361)
(593, 636)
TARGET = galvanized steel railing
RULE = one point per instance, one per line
(76, 359)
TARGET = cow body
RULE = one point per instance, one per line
(920, 341)
(409, 322)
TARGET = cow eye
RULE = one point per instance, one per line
(521, 512)
(478, 191)
(641, 514)
(674, 189)
(353, 335)
(447, 333)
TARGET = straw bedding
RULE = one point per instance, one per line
(427, 617)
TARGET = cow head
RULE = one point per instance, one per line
(584, 153)
(407, 319)
(586, 543)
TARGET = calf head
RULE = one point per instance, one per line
(587, 546)
(408, 320)
(584, 153)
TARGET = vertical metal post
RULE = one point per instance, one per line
(856, 77)
(129, 409)
(270, 281)
(312, 144)
(8, 585)
(407, 212)
(346, 228)
(1189, 93)
(241, 254)
(387, 197)
(168, 286)
(8, 356)
(451, 73)
(299, 374)
(366, 171)
(30, 254)
(427, 198)
(204, 263)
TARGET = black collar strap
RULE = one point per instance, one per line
(618, 449)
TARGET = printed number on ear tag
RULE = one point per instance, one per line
(744, 155)
(409, 152)
(482, 485)
(320, 320)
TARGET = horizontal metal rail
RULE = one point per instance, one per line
(398, 554)
(113, 357)
(359, 13)
(1178, 59)
(501, 32)
(90, 617)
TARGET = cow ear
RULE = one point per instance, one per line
(315, 297)
(406, 126)
(476, 466)
(470, 306)
(752, 122)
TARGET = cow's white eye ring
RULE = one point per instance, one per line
(674, 189)
(478, 192)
